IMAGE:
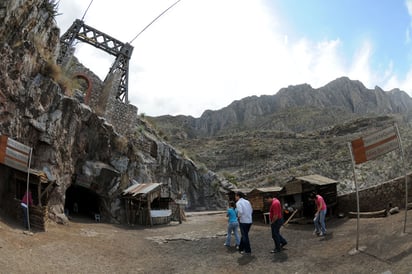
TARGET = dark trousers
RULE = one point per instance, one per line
(26, 225)
(244, 240)
(277, 238)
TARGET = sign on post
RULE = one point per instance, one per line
(14, 154)
(370, 147)
(376, 144)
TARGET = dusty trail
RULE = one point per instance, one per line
(196, 246)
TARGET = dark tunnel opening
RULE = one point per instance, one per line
(82, 203)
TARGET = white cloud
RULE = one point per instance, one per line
(407, 83)
(403, 84)
(408, 4)
(360, 69)
(204, 54)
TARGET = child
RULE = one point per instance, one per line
(233, 225)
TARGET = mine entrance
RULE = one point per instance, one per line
(82, 203)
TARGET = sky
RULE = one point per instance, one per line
(204, 54)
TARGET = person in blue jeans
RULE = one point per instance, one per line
(233, 225)
(244, 212)
(319, 219)
(276, 222)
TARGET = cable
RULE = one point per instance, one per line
(87, 9)
(154, 20)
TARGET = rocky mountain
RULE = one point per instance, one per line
(293, 109)
(259, 141)
(103, 146)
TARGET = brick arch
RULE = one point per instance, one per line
(89, 85)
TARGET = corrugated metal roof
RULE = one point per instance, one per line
(270, 189)
(243, 190)
(317, 179)
(43, 176)
(141, 188)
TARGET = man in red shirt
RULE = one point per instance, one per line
(276, 221)
(321, 209)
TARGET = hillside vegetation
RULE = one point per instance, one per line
(262, 141)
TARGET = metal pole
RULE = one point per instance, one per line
(406, 176)
(27, 190)
(357, 197)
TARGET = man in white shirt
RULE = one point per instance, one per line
(245, 210)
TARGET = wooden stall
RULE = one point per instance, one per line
(257, 197)
(41, 186)
(297, 192)
(15, 160)
(144, 205)
(232, 193)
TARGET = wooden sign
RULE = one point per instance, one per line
(14, 154)
(371, 146)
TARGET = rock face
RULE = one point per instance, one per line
(338, 101)
(73, 141)
(262, 141)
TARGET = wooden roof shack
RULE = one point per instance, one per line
(14, 185)
(257, 197)
(145, 206)
(17, 176)
(232, 193)
(298, 189)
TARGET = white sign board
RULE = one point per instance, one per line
(371, 146)
(14, 154)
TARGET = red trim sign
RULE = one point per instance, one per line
(14, 154)
(376, 144)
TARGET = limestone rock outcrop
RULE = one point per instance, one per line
(70, 140)
(293, 109)
(263, 141)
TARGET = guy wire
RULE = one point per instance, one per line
(87, 9)
(154, 20)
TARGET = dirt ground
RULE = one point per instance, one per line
(196, 246)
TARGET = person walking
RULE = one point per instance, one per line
(276, 222)
(321, 209)
(233, 225)
(26, 201)
(244, 211)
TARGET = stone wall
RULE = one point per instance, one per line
(384, 196)
(122, 116)
(71, 68)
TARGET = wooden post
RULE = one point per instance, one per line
(180, 213)
(149, 214)
(127, 204)
(38, 192)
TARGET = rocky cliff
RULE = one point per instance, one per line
(73, 141)
(261, 141)
(294, 109)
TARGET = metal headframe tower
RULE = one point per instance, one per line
(123, 52)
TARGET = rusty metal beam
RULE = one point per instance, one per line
(122, 51)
